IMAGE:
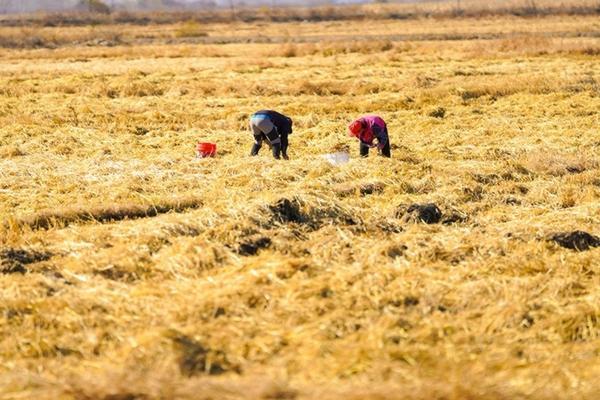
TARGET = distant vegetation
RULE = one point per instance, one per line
(97, 12)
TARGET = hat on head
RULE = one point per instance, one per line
(355, 128)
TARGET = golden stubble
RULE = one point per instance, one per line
(138, 271)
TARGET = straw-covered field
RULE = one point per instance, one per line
(131, 270)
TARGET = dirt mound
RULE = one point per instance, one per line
(428, 213)
(313, 212)
(253, 245)
(285, 210)
(576, 240)
(14, 261)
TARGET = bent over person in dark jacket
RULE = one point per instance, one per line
(274, 128)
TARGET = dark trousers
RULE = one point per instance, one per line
(284, 144)
(385, 152)
(277, 148)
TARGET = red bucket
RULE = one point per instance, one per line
(204, 150)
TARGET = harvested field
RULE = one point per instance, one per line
(464, 267)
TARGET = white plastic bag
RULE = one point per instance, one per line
(337, 158)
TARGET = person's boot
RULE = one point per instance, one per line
(277, 151)
(285, 156)
(255, 149)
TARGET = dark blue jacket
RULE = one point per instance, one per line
(283, 123)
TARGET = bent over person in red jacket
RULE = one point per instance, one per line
(368, 128)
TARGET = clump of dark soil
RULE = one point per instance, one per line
(253, 245)
(285, 210)
(577, 240)
(410, 301)
(473, 194)
(313, 217)
(140, 131)
(428, 213)
(364, 189)
(219, 311)
(527, 321)
(486, 179)
(439, 112)
(575, 169)
(371, 188)
(196, 359)
(396, 251)
(512, 201)
(14, 261)
(326, 292)
(454, 217)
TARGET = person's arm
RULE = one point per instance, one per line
(285, 123)
(279, 120)
(374, 130)
(381, 135)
